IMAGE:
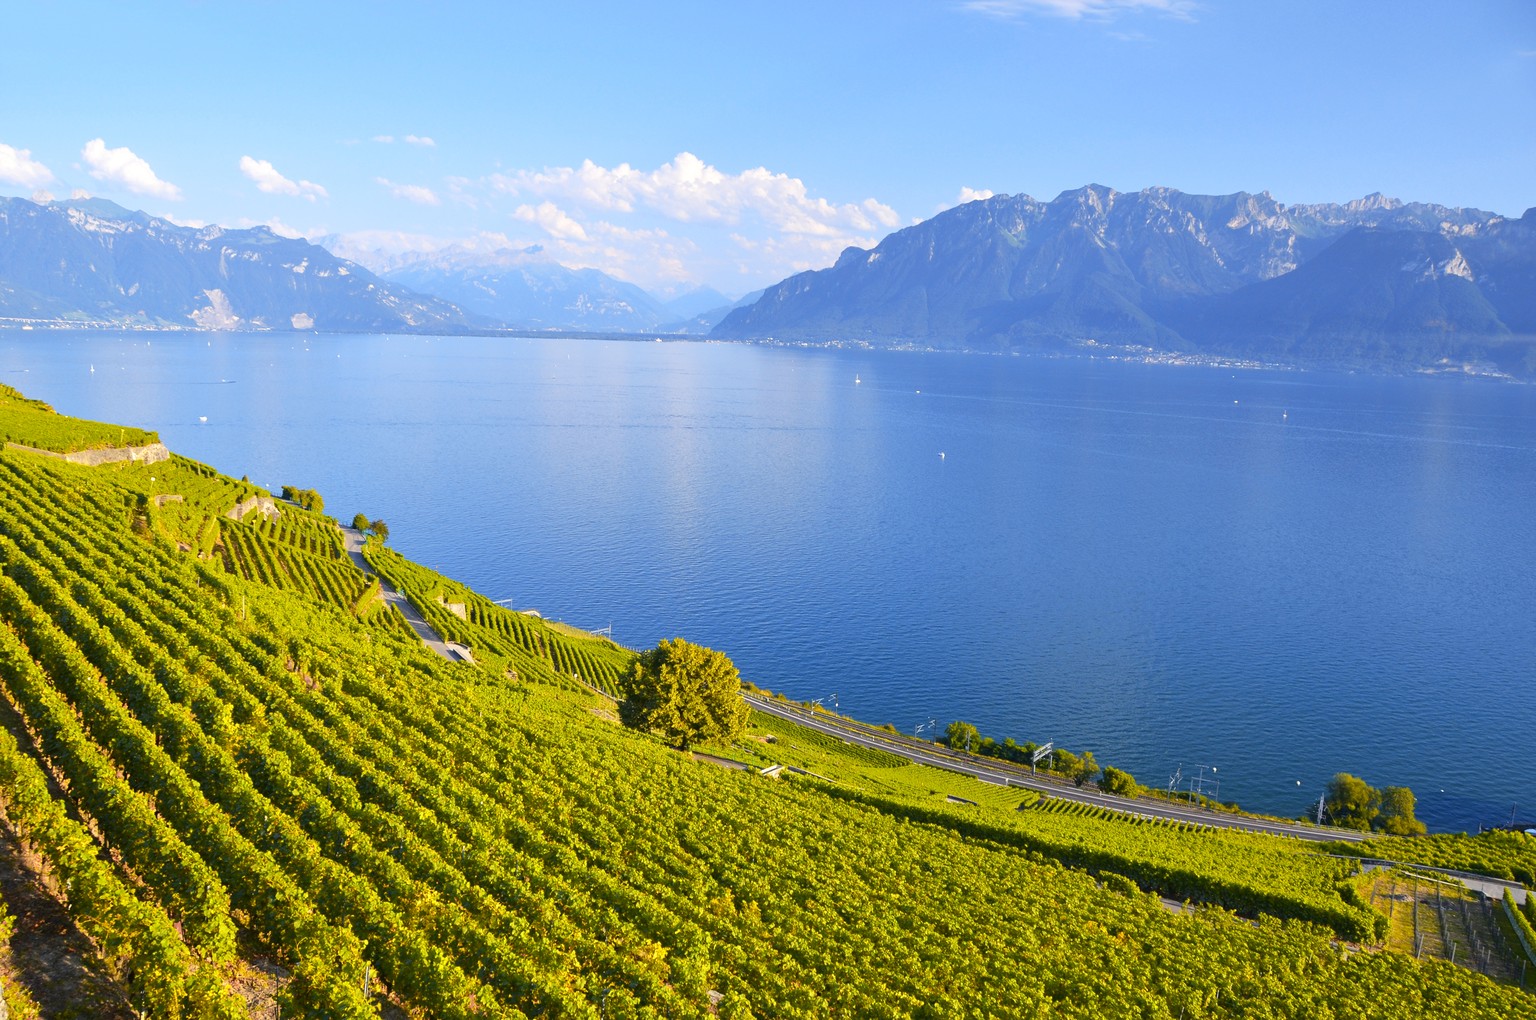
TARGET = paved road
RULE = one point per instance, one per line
(353, 540)
(1008, 774)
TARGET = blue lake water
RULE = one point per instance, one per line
(1279, 574)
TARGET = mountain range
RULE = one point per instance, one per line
(92, 262)
(527, 289)
(1371, 282)
(1155, 273)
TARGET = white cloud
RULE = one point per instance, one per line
(383, 250)
(422, 140)
(122, 167)
(684, 222)
(19, 168)
(550, 217)
(267, 179)
(1077, 10)
(689, 190)
(194, 224)
(973, 195)
(79, 195)
(279, 228)
(42, 197)
(385, 139)
(417, 193)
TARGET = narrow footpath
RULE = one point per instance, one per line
(353, 540)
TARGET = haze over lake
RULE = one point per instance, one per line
(1280, 574)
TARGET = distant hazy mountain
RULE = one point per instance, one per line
(696, 302)
(528, 289)
(702, 322)
(1375, 281)
(93, 262)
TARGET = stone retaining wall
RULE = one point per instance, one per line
(264, 505)
(154, 453)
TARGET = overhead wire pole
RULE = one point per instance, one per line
(1047, 748)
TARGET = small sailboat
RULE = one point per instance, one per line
(856, 379)
(93, 369)
(941, 454)
(202, 418)
(1285, 415)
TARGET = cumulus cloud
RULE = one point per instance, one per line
(973, 195)
(417, 193)
(19, 168)
(267, 179)
(385, 139)
(1077, 10)
(552, 219)
(684, 222)
(42, 197)
(123, 168)
(689, 190)
(79, 194)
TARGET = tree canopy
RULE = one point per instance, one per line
(688, 693)
(360, 522)
(961, 736)
(309, 499)
(380, 529)
(1397, 817)
(1118, 781)
(1352, 802)
(1084, 770)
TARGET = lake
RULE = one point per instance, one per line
(1281, 575)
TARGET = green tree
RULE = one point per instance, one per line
(309, 499)
(1118, 781)
(962, 736)
(360, 522)
(1397, 819)
(688, 693)
(1084, 770)
(1352, 802)
(381, 529)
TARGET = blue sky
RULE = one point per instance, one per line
(732, 144)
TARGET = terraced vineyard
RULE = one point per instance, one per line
(33, 423)
(1510, 855)
(217, 772)
(528, 646)
(1429, 915)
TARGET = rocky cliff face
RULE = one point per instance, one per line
(1217, 273)
(94, 262)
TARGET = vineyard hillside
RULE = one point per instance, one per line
(252, 791)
